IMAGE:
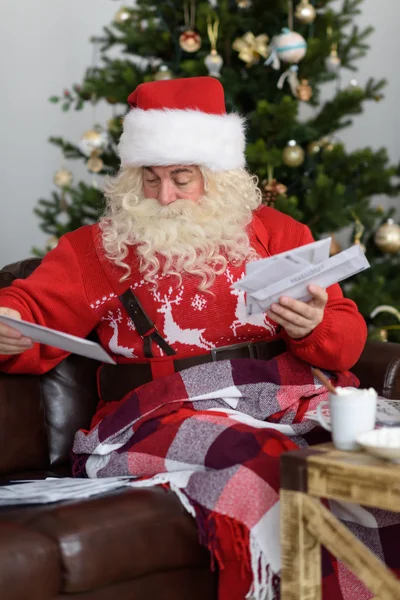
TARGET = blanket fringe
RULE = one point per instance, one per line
(212, 526)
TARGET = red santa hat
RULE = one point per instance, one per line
(182, 121)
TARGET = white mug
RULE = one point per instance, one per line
(353, 412)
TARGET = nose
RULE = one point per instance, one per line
(167, 193)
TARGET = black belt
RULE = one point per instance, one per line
(116, 381)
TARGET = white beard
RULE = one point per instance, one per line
(193, 237)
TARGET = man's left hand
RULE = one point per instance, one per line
(300, 318)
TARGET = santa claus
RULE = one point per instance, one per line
(154, 277)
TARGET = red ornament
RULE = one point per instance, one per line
(190, 41)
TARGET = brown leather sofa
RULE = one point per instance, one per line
(136, 545)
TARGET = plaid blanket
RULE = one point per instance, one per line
(214, 434)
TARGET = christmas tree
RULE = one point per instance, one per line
(272, 59)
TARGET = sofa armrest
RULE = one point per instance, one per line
(379, 367)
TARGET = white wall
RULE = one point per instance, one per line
(44, 48)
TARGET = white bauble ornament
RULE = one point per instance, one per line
(333, 62)
(93, 141)
(214, 62)
(288, 46)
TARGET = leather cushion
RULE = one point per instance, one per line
(30, 566)
(23, 438)
(118, 537)
(69, 397)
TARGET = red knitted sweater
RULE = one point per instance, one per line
(75, 290)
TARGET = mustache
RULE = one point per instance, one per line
(150, 208)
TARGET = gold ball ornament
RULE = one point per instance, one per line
(305, 12)
(314, 147)
(163, 73)
(304, 91)
(190, 41)
(122, 15)
(326, 144)
(63, 177)
(94, 164)
(383, 335)
(293, 155)
(93, 141)
(387, 237)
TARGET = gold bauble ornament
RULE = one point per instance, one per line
(94, 164)
(304, 91)
(63, 177)
(122, 15)
(250, 47)
(293, 154)
(163, 73)
(314, 147)
(383, 335)
(190, 41)
(244, 3)
(52, 242)
(305, 12)
(93, 141)
(387, 237)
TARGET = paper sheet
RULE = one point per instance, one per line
(290, 273)
(45, 491)
(64, 341)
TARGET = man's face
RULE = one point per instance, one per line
(177, 182)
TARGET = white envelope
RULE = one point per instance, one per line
(290, 273)
(64, 341)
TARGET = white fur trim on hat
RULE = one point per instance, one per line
(177, 137)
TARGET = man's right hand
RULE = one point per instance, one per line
(11, 340)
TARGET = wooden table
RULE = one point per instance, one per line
(324, 472)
